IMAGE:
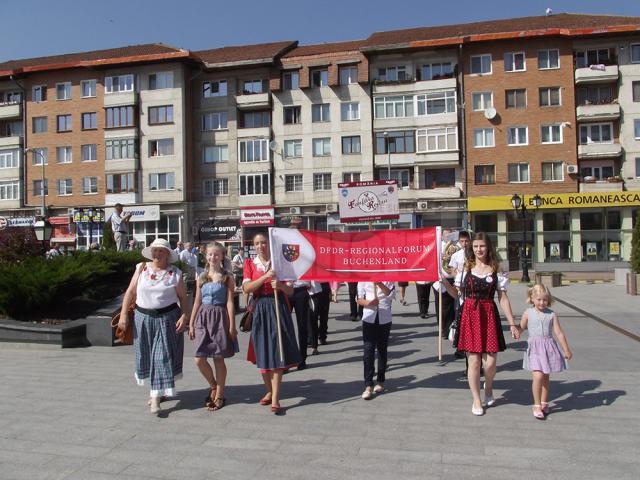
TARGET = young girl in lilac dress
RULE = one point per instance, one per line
(543, 355)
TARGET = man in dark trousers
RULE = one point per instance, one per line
(300, 303)
(356, 310)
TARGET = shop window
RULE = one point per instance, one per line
(556, 236)
(485, 222)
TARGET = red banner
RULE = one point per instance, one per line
(382, 255)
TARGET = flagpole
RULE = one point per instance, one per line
(277, 306)
(440, 321)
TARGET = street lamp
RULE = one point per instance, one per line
(519, 205)
(387, 141)
(42, 228)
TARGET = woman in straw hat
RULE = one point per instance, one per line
(161, 315)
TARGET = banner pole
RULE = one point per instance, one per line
(280, 348)
(440, 321)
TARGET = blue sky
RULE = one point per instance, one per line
(42, 27)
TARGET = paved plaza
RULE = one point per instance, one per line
(78, 414)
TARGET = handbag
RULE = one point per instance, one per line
(247, 318)
(125, 337)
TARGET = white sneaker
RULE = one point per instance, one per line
(367, 394)
(489, 401)
(379, 388)
(154, 408)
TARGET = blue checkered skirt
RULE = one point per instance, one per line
(159, 351)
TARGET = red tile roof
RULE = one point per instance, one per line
(324, 48)
(266, 52)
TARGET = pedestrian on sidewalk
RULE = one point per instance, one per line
(354, 307)
(423, 291)
(543, 355)
(480, 330)
(375, 298)
(161, 313)
(212, 326)
(402, 286)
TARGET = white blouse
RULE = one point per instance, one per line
(157, 289)
(365, 290)
(503, 279)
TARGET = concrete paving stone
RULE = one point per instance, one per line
(123, 454)
(243, 443)
(476, 458)
(103, 465)
(17, 445)
(24, 458)
(70, 450)
(418, 456)
(90, 475)
(168, 472)
(10, 471)
(219, 461)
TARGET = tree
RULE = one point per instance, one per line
(108, 242)
(635, 246)
(18, 243)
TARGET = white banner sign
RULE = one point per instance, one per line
(139, 213)
(16, 222)
(256, 216)
(368, 201)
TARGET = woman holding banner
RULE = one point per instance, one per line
(480, 330)
(259, 280)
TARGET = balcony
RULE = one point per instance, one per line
(599, 150)
(10, 110)
(411, 86)
(14, 141)
(429, 193)
(120, 99)
(597, 74)
(606, 111)
(253, 101)
(601, 186)
(123, 198)
(445, 158)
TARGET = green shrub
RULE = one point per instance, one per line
(18, 243)
(635, 247)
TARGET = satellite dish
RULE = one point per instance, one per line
(273, 146)
(490, 113)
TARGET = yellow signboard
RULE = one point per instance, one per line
(557, 200)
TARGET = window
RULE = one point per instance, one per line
(64, 123)
(437, 139)
(321, 181)
(88, 88)
(394, 107)
(482, 100)
(215, 187)
(485, 174)
(348, 75)
(514, 62)
(439, 178)
(517, 136)
(393, 74)
(291, 80)
(117, 149)
(160, 80)
(585, 58)
(161, 114)
(63, 91)
(483, 138)
(121, 83)
(256, 150)
(255, 119)
(403, 177)
(635, 53)
(292, 115)
(550, 97)
(548, 59)
(481, 64)
(89, 121)
(161, 147)
(39, 93)
(89, 152)
(636, 129)
(599, 172)
(319, 78)
(351, 177)
(635, 86)
(121, 183)
(350, 145)
(292, 148)
(39, 156)
(65, 187)
(10, 190)
(255, 184)
(293, 183)
(397, 142)
(516, 98)
(215, 88)
(321, 147)
(552, 171)
(435, 71)
(89, 185)
(39, 189)
(215, 153)
(10, 97)
(518, 173)
(162, 181)
(64, 155)
(594, 94)
(637, 167)
(11, 129)
(350, 111)
(9, 158)
(596, 133)
(119, 117)
(39, 124)
(437, 103)
(320, 112)
(214, 121)
(551, 134)
(250, 87)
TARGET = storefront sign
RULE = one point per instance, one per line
(16, 222)
(220, 230)
(368, 201)
(139, 213)
(383, 255)
(257, 216)
(557, 200)
(614, 248)
(83, 215)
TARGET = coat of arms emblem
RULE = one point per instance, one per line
(290, 251)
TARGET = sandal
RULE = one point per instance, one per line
(276, 409)
(545, 407)
(208, 401)
(217, 404)
(538, 414)
(265, 401)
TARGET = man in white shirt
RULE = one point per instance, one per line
(179, 248)
(120, 227)
(54, 251)
(191, 261)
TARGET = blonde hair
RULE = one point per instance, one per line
(539, 290)
(224, 275)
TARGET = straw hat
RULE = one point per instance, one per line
(160, 243)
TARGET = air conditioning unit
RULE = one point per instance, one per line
(235, 213)
(422, 206)
(572, 169)
(332, 207)
(295, 210)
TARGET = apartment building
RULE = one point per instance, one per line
(322, 132)
(11, 130)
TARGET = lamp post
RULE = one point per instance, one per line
(519, 205)
(42, 228)
(387, 141)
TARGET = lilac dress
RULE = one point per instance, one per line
(543, 353)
